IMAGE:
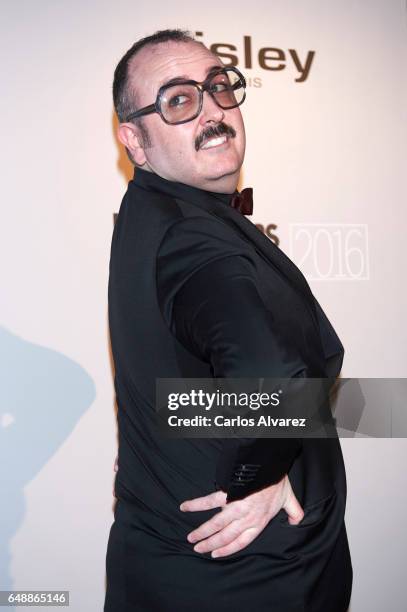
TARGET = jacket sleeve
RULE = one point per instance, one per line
(212, 304)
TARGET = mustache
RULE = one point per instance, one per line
(218, 130)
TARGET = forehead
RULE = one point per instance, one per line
(154, 65)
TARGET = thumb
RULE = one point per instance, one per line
(293, 508)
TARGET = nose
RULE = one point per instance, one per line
(211, 112)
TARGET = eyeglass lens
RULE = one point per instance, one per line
(181, 102)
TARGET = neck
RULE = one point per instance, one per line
(224, 184)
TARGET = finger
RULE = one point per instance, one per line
(239, 543)
(208, 502)
(215, 524)
(223, 537)
(294, 510)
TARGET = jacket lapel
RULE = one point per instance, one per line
(219, 205)
(263, 245)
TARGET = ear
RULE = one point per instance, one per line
(130, 136)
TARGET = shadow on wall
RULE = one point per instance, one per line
(43, 395)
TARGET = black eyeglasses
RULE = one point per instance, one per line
(181, 101)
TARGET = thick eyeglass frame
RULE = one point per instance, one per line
(203, 86)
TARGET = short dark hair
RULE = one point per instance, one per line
(123, 95)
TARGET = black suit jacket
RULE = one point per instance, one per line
(196, 291)
(166, 236)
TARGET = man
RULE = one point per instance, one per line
(196, 291)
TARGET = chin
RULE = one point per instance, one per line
(224, 182)
(224, 163)
(225, 171)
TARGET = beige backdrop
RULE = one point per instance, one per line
(325, 117)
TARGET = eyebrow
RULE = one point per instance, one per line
(181, 78)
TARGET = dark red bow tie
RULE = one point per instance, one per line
(243, 201)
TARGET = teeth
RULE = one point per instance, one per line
(214, 142)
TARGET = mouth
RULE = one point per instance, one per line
(214, 136)
(217, 141)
